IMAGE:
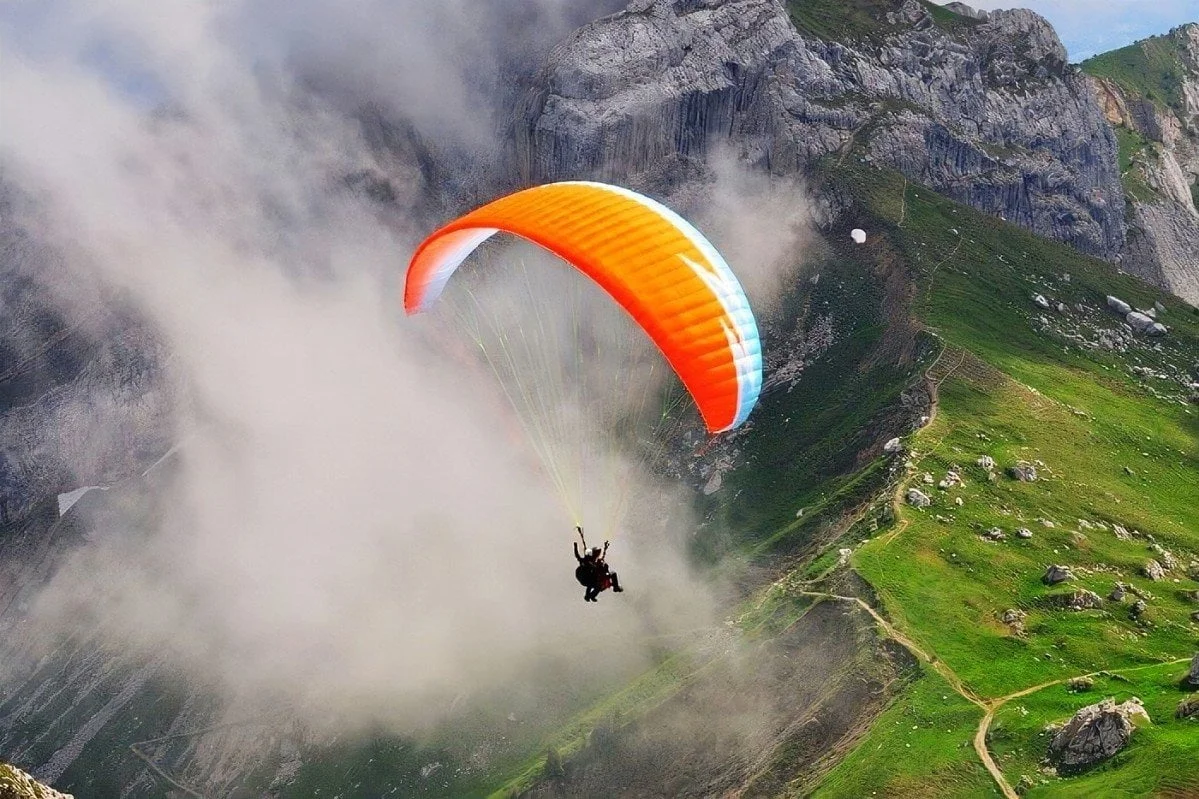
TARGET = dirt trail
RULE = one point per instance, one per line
(988, 706)
(993, 705)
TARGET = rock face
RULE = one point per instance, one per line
(1163, 224)
(984, 110)
(65, 375)
(1095, 733)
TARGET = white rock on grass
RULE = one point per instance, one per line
(918, 498)
(1118, 305)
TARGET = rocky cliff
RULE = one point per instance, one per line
(981, 107)
(1149, 93)
(72, 363)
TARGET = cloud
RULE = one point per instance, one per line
(347, 524)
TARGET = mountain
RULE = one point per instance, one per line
(1149, 92)
(986, 110)
(874, 646)
(1106, 418)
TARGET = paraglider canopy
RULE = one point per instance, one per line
(858, 235)
(656, 265)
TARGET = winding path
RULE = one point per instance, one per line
(988, 706)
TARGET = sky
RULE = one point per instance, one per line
(1088, 27)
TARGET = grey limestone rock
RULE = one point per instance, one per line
(1139, 321)
(1024, 472)
(1082, 599)
(1153, 570)
(1191, 680)
(988, 111)
(1095, 733)
(918, 498)
(1056, 574)
(1118, 305)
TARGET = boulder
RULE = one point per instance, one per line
(918, 498)
(1082, 599)
(1138, 321)
(1013, 616)
(892, 446)
(1118, 593)
(1164, 557)
(1040, 301)
(994, 534)
(1157, 329)
(1188, 708)
(1118, 305)
(1137, 609)
(1056, 574)
(1079, 684)
(986, 462)
(1153, 570)
(1095, 733)
(1024, 532)
(1022, 471)
(1192, 678)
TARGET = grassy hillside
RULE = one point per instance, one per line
(1152, 68)
(1118, 458)
(1115, 440)
(837, 20)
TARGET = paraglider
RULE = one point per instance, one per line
(673, 284)
(659, 268)
(593, 572)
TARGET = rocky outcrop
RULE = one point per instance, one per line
(82, 401)
(1095, 733)
(1056, 574)
(16, 784)
(1023, 472)
(1163, 223)
(1081, 599)
(918, 498)
(1191, 680)
(986, 111)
